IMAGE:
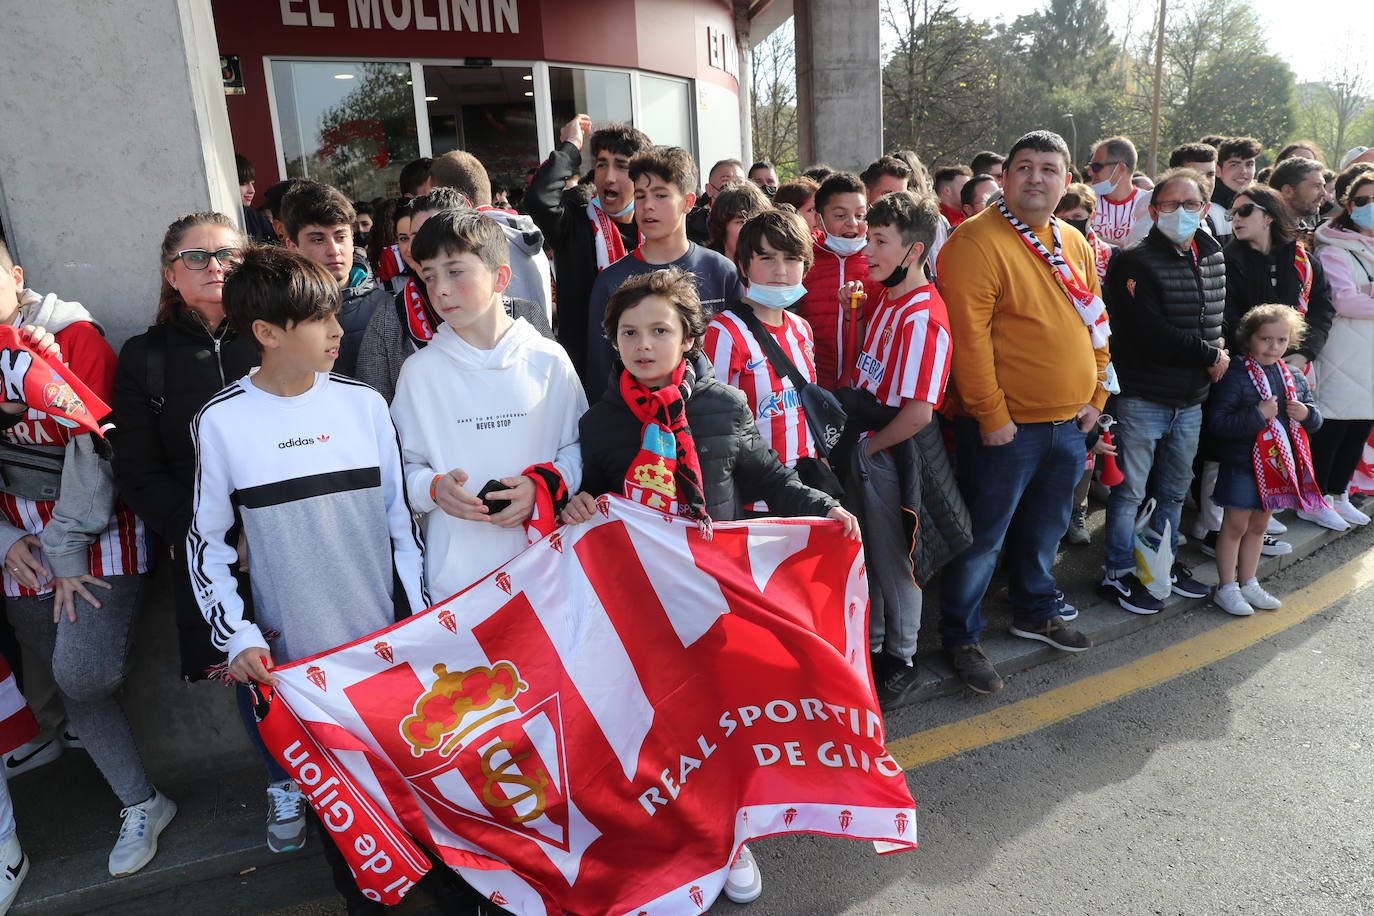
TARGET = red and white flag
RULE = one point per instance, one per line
(599, 725)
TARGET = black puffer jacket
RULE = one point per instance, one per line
(1166, 311)
(154, 459)
(1248, 285)
(736, 466)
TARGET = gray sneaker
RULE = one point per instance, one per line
(1056, 633)
(974, 669)
(1078, 526)
(287, 826)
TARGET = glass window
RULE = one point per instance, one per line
(602, 95)
(351, 125)
(489, 112)
(665, 106)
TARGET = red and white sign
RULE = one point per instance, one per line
(600, 724)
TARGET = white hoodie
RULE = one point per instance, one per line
(492, 413)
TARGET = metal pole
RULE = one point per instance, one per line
(1154, 106)
(1073, 128)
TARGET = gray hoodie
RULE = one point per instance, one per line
(85, 505)
(529, 266)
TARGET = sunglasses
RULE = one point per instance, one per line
(1362, 200)
(199, 258)
(1096, 167)
(1244, 210)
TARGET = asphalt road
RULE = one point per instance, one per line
(1243, 787)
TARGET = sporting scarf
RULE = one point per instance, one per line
(610, 247)
(665, 474)
(550, 496)
(1284, 483)
(1091, 308)
(421, 319)
(1302, 263)
(51, 388)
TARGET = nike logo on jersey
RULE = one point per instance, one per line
(755, 364)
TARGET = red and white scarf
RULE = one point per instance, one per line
(666, 473)
(1302, 263)
(1284, 482)
(610, 247)
(1091, 309)
(421, 318)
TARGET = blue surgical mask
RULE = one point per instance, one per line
(775, 297)
(1179, 226)
(1103, 188)
(1363, 216)
(628, 207)
(845, 247)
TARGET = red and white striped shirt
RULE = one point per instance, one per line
(124, 547)
(1114, 222)
(777, 409)
(907, 350)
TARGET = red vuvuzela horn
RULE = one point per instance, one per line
(1111, 473)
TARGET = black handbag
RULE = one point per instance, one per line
(824, 415)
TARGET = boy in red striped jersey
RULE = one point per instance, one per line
(903, 365)
(773, 254)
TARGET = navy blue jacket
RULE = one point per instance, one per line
(1233, 417)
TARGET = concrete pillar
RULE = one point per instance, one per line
(746, 87)
(839, 83)
(115, 125)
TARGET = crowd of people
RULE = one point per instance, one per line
(429, 383)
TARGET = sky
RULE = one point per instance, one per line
(1300, 33)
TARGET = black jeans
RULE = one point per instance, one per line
(1336, 450)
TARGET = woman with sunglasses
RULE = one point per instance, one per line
(1345, 367)
(165, 376)
(1265, 263)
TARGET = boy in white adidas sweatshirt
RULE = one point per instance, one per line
(489, 401)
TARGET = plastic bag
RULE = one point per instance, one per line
(1154, 554)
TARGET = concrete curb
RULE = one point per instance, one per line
(1103, 622)
(202, 844)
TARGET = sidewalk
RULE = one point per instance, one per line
(68, 819)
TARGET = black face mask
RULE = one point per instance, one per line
(898, 275)
(1080, 224)
(768, 191)
(360, 239)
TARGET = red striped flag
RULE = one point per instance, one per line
(599, 725)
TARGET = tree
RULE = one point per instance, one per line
(773, 88)
(938, 82)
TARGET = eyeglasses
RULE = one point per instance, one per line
(1169, 206)
(1096, 167)
(199, 258)
(1361, 201)
(1245, 210)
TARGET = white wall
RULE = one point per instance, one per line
(718, 125)
(114, 124)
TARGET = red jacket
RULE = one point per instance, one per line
(820, 307)
(954, 216)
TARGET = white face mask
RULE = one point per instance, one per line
(775, 297)
(843, 246)
(1103, 188)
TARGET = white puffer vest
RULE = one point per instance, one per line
(1344, 373)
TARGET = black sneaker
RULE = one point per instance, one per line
(974, 669)
(1127, 591)
(1182, 583)
(1055, 632)
(1209, 544)
(899, 681)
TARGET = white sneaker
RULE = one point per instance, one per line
(32, 755)
(137, 843)
(1255, 595)
(1327, 517)
(1346, 510)
(14, 868)
(743, 883)
(1230, 600)
(1276, 526)
(287, 826)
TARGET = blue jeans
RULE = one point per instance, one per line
(1020, 493)
(1151, 439)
